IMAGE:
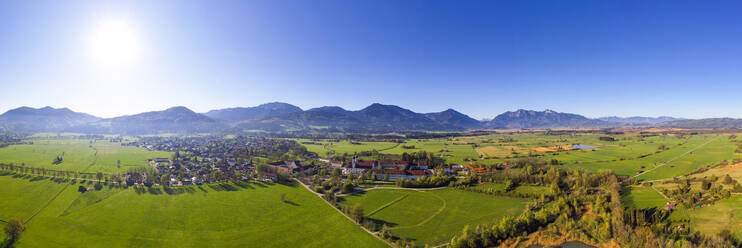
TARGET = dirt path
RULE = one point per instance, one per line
(660, 192)
(344, 215)
(673, 159)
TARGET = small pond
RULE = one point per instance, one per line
(581, 146)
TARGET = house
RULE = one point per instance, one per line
(670, 206)
(360, 166)
(186, 181)
(267, 176)
(402, 174)
(336, 163)
(288, 166)
(391, 164)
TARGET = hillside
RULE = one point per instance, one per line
(455, 118)
(639, 119)
(46, 119)
(173, 120)
(239, 114)
(705, 123)
(374, 118)
(543, 119)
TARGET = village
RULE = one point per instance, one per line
(203, 160)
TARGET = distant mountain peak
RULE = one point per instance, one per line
(45, 119)
(179, 109)
(548, 118)
(240, 114)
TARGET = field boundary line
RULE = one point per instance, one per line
(344, 215)
(95, 160)
(430, 217)
(389, 148)
(387, 205)
(679, 156)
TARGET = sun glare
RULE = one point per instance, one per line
(114, 44)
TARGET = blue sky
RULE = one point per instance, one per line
(596, 58)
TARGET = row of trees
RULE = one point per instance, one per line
(426, 182)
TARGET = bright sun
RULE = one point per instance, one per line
(114, 44)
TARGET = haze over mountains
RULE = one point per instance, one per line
(284, 117)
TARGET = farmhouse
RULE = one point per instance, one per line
(402, 174)
(391, 164)
(267, 176)
(288, 166)
(360, 166)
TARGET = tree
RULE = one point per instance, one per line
(164, 180)
(283, 197)
(13, 231)
(82, 189)
(347, 187)
(727, 179)
(509, 185)
(356, 212)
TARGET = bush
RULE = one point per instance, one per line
(82, 189)
(347, 187)
(98, 186)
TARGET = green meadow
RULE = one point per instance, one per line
(660, 156)
(228, 215)
(79, 155)
(643, 197)
(432, 217)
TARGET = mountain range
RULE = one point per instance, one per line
(639, 119)
(284, 117)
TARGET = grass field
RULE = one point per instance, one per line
(628, 155)
(643, 197)
(210, 216)
(345, 146)
(78, 155)
(724, 214)
(20, 197)
(432, 217)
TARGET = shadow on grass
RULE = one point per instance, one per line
(381, 223)
(290, 202)
(243, 184)
(178, 190)
(230, 186)
(223, 187)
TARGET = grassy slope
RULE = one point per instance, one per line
(450, 210)
(240, 217)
